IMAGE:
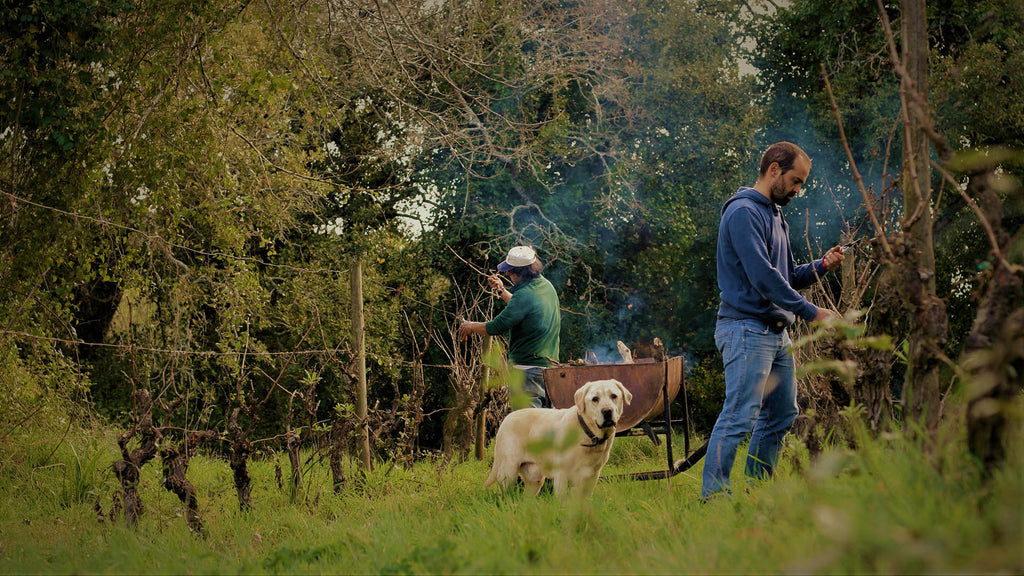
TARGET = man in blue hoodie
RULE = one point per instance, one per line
(758, 282)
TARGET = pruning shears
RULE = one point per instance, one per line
(848, 245)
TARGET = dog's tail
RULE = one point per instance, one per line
(491, 479)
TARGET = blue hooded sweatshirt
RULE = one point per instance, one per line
(757, 276)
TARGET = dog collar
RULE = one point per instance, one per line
(595, 441)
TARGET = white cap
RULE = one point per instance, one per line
(518, 257)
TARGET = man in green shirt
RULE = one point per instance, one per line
(531, 319)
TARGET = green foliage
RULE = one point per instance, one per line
(636, 453)
(705, 385)
(501, 375)
(55, 54)
(978, 72)
(87, 476)
(699, 126)
(49, 395)
(42, 418)
(848, 41)
(548, 444)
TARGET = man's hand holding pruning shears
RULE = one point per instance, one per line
(835, 255)
(849, 245)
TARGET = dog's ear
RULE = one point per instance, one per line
(627, 396)
(580, 396)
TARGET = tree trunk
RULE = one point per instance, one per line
(96, 304)
(459, 424)
(238, 460)
(291, 443)
(480, 428)
(871, 386)
(458, 429)
(175, 465)
(916, 169)
(359, 339)
(928, 327)
(994, 350)
(928, 321)
(338, 434)
(413, 409)
(129, 468)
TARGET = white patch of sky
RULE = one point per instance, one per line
(417, 211)
(745, 67)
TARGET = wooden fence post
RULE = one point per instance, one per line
(481, 412)
(359, 339)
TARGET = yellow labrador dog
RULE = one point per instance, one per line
(570, 445)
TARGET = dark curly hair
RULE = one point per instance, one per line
(784, 154)
(528, 272)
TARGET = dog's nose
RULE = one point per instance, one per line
(607, 415)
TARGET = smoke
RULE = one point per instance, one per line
(603, 353)
(830, 203)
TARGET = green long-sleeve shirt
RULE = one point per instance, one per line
(533, 322)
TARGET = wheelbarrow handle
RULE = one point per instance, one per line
(679, 466)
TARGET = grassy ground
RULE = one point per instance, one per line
(886, 507)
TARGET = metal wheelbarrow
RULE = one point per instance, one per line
(654, 386)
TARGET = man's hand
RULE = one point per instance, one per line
(824, 313)
(494, 281)
(832, 258)
(498, 288)
(467, 328)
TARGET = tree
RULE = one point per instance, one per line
(928, 321)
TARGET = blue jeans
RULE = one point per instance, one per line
(534, 386)
(760, 400)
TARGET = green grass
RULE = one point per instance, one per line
(886, 507)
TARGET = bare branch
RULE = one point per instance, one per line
(868, 202)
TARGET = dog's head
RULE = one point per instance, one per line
(601, 402)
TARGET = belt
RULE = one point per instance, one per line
(776, 327)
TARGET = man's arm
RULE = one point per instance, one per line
(807, 274)
(498, 288)
(467, 328)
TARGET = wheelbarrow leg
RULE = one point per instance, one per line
(688, 462)
(649, 432)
